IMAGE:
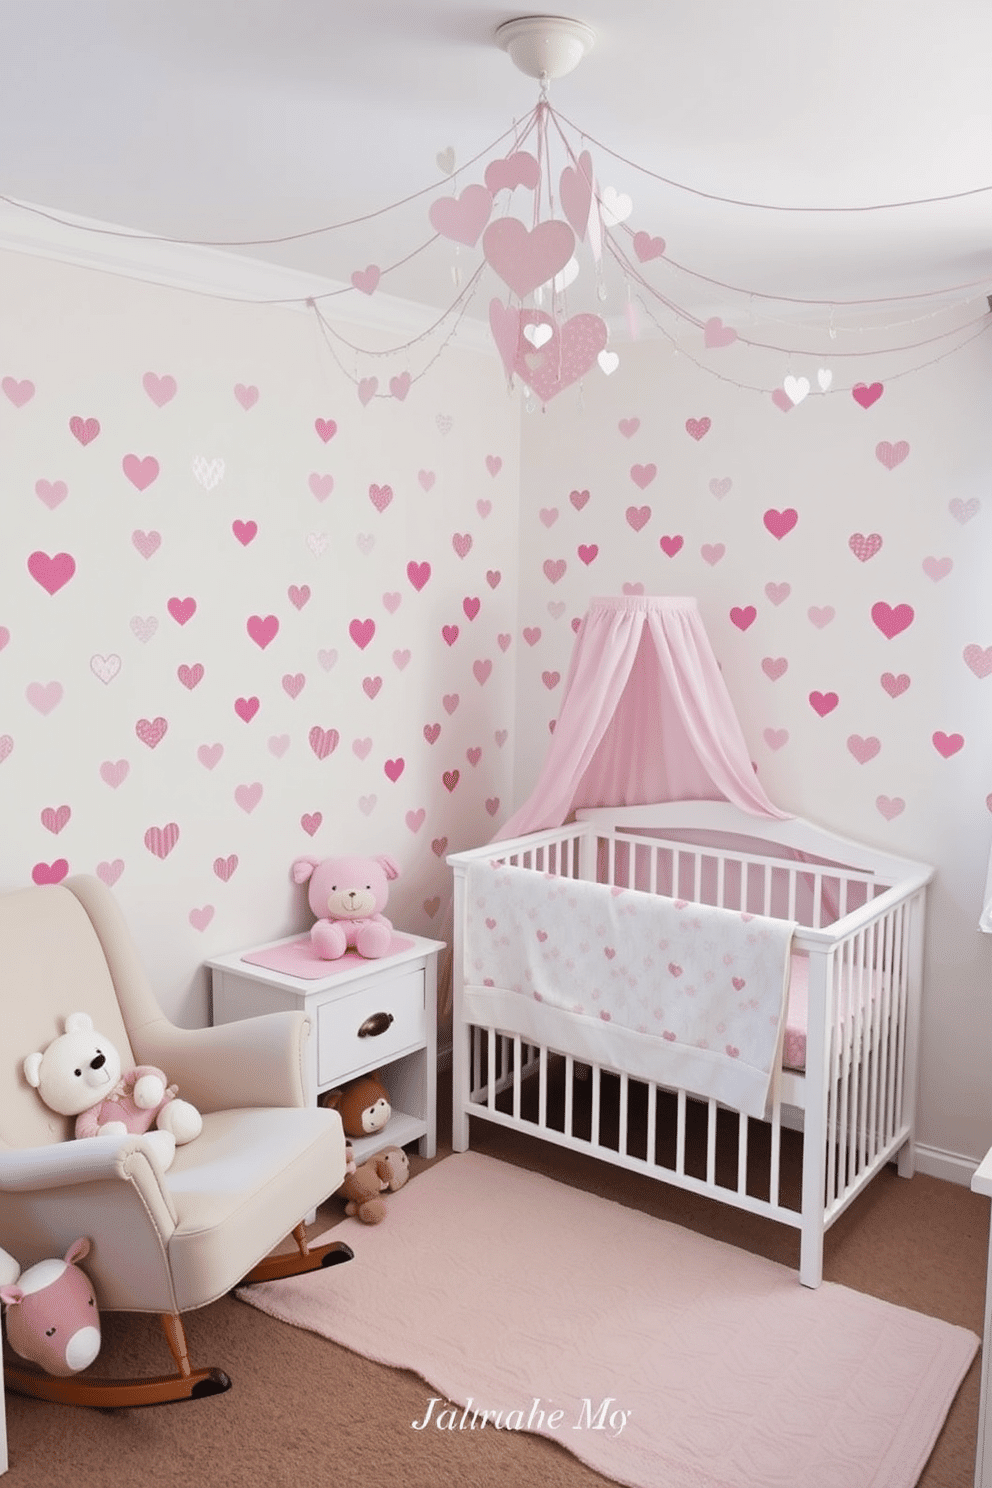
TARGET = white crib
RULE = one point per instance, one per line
(860, 917)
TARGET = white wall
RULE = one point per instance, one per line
(79, 787)
(933, 513)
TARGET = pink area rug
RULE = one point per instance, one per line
(657, 1356)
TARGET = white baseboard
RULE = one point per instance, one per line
(950, 1166)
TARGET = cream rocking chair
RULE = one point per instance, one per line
(161, 1242)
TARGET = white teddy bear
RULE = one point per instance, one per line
(79, 1074)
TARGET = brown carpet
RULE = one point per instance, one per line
(305, 1411)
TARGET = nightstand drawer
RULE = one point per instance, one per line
(370, 1026)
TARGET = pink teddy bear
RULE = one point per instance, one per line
(347, 895)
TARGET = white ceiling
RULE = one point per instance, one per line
(250, 119)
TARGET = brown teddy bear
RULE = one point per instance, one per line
(363, 1105)
(361, 1189)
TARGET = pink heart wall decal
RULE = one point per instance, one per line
(248, 796)
(181, 610)
(85, 430)
(670, 545)
(225, 867)
(823, 702)
(310, 822)
(191, 676)
(780, 523)
(418, 574)
(326, 428)
(245, 532)
(161, 390)
(200, 918)
(890, 807)
(380, 496)
(891, 621)
(716, 334)
(638, 516)
(894, 685)
(646, 247)
(50, 873)
(863, 749)
(246, 708)
(643, 475)
(891, 455)
(161, 840)
(743, 617)
(262, 629)
(978, 660)
(524, 259)
(321, 485)
(44, 696)
(462, 218)
(146, 543)
(394, 769)
(51, 572)
(774, 667)
(114, 772)
(109, 873)
(323, 742)
(696, 428)
(865, 395)
(246, 396)
(140, 472)
(151, 731)
(947, 744)
(54, 818)
(864, 547)
(19, 393)
(361, 632)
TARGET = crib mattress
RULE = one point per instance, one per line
(797, 1013)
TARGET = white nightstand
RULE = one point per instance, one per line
(365, 1016)
(982, 1183)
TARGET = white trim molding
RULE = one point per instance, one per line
(951, 1166)
(44, 232)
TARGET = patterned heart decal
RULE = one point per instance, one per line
(567, 356)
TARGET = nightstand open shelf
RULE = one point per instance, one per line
(366, 1016)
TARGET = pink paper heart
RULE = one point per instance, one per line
(151, 731)
(937, 568)
(462, 218)
(670, 545)
(715, 333)
(326, 428)
(191, 676)
(299, 595)
(776, 738)
(361, 632)
(50, 873)
(820, 615)
(181, 610)
(209, 755)
(418, 574)
(572, 350)
(782, 400)
(367, 389)
(399, 386)
(774, 666)
(44, 696)
(575, 189)
(310, 822)
(85, 430)
(890, 807)
(394, 768)
(246, 708)
(248, 796)
(54, 818)
(743, 618)
(519, 169)
(245, 532)
(777, 593)
(225, 867)
(628, 427)
(646, 247)
(246, 396)
(711, 553)
(366, 280)
(109, 873)
(114, 772)
(200, 918)
(696, 428)
(380, 496)
(638, 516)
(823, 702)
(643, 475)
(321, 485)
(893, 685)
(524, 259)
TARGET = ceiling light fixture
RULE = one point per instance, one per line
(545, 47)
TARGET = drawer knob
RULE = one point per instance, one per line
(376, 1024)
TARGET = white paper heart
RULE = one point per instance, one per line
(609, 361)
(567, 276)
(538, 334)
(616, 206)
(824, 377)
(796, 388)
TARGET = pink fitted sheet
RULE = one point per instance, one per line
(797, 1013)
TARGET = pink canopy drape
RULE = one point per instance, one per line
(645, 716)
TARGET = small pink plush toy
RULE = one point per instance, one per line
(347, 895)
(79, 1074)
(52, 1316)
